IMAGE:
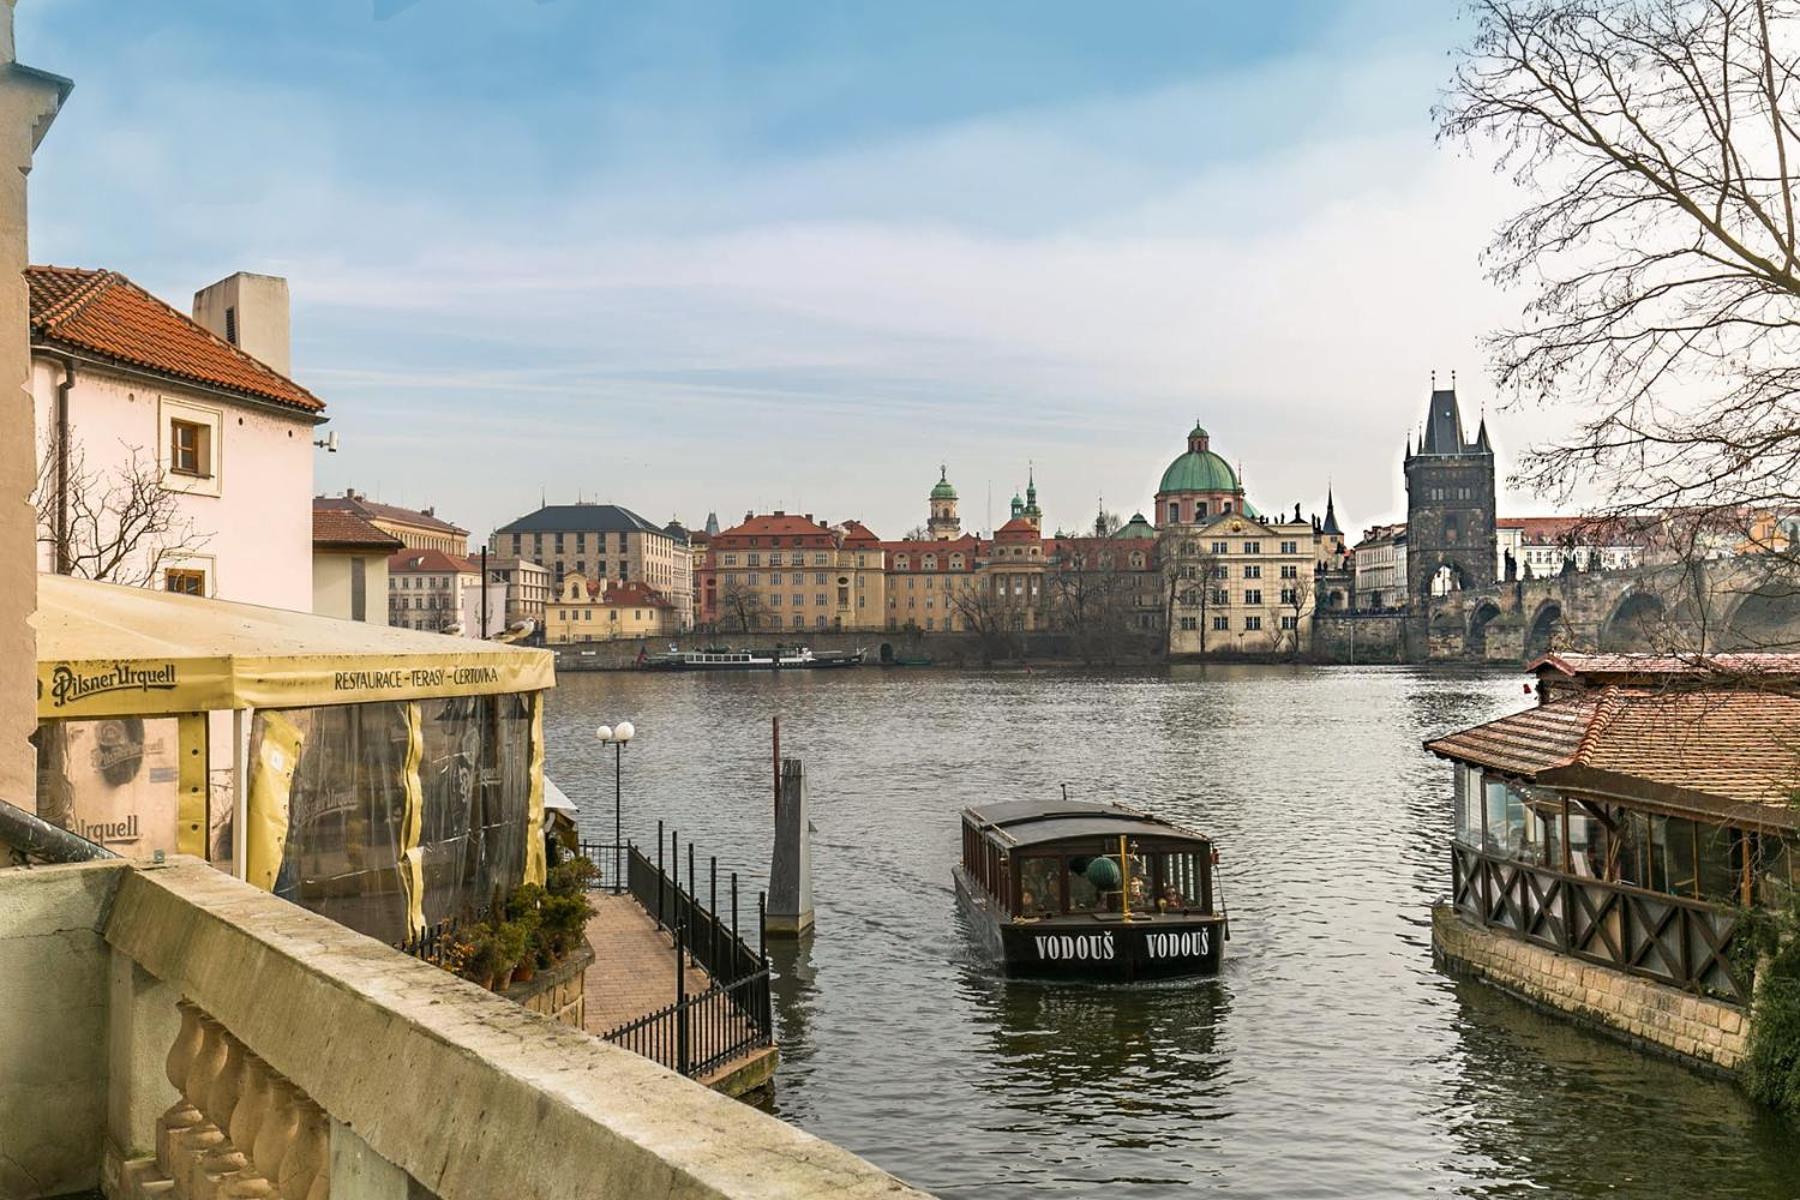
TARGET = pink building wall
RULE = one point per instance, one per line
(258, 524)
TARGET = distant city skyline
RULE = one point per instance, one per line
(676, 261)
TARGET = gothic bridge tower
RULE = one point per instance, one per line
(1450, 536)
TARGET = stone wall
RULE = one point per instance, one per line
(53, 1027)
(558, 992)
(1342, 637)
(1639, 1010)
(943, 649)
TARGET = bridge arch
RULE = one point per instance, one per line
(1447, 576)
(1766, 618)
(1633, 622)
(1547, 630)
(1475, 641)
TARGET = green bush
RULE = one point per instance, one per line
(1770, 939)
(511, 938)
(574, 876)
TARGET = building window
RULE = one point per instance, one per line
(1221, 597)
(187, 581)
(1189, 623)
(231, 324)
(1252, 595)
(190, 449)
(1290, 571)
(1290, 622)
(1174, 513)
(1290, 595)
(1290, 547)
(1252, 623)
(1253, 571)
(1221, 547)
(1252, 547)
(1222, 624)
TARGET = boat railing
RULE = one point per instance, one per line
(1677, 940)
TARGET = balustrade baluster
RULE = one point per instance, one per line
(222, 1103)
(274, 1134)
(190, 1147)
(181, 1115)
(309, 1154)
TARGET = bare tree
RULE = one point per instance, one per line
(986, 611)
(1296, 604)
(741, 606)
(1092, 594)
(1190, 575)
(121, 525)
(918, 533)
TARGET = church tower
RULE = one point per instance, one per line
(944, 525)
(1449, 503)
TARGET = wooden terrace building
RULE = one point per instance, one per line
(1607, 842)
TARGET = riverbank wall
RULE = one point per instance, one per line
(941, 649)
(1650, 1015)
(1373, 637)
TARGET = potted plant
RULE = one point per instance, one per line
(509, 939)
(524, 908)
(481, 956)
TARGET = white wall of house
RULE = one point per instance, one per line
(254, 508)
(334, 587)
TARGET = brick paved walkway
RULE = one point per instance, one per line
(633, 974)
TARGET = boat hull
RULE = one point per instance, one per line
(1101, 947)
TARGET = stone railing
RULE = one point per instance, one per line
(173, 1032)
(239, 1129)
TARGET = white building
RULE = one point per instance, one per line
(1541, 546)
(350, 567)
(425, 589)
(1380, 561)
(174, 453)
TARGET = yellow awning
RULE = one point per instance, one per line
(106, 650)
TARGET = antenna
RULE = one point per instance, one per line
(1434, 380)
(1453, 379)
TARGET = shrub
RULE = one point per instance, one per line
(574, 876)
(1770, 939)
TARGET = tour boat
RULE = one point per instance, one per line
(1085, 890)
(782, 658)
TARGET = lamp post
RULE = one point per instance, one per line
(617, 735)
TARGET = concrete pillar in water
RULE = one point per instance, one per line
(790, 908)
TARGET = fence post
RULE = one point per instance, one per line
(712, 912)
(764, 1014)
(790, 867)
(675, 877)
(734, 932)
(681, 1008)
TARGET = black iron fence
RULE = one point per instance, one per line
(700, 1031)
(432, 944)
(610, 860)
(1672, 939)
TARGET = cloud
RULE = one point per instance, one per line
(1280, 251)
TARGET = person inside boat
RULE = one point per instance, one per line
(1171, 900)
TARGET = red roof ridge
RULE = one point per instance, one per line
(1611, 702)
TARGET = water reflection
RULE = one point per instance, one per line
(1330, 1059)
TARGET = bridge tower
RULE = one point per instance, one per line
(1449, 503)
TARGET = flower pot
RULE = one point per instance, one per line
(524, 971)
(504, 981)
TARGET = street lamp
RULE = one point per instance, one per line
(617, 735)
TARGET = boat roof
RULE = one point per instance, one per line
(1033, 822)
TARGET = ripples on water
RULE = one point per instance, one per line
(1329, 1059)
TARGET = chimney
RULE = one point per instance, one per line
(809, 519)
(250, 312)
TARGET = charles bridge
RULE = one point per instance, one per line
(1723, 604)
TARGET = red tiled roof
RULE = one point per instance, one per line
(430, 562)
(634, 592)
(106, 314)
(858, 534)
(1015, 528)
(1618, 668)
(968, 545)
(777, 524)
(374, 510)
(346, 530)
(1717, 750)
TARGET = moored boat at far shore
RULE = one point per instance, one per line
(781, 658)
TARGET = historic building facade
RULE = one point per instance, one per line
(1451, 538)
(787, 572)
(587, 610)
(602, 542)
(1239, 582)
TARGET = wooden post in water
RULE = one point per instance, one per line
(790, 911)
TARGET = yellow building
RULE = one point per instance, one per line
(581, 612)
(781, 572)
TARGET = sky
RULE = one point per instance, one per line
(701, 256)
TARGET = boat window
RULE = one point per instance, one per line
(1505, 817)
(1178, 882)
(1084, 896)
(1718, 863)
(1040, 886)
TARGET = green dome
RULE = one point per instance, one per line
(1198, 431)
(1199, 471)
(942, 489)
(1137, 527)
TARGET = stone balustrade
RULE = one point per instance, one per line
(172, 1032)
(238, 1130)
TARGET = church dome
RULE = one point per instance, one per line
(942, 489)
(1199, 471)
(1137, 527)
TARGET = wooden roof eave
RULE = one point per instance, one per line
(1667, 799)
(1521, 774)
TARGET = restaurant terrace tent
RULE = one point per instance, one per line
(386, 777)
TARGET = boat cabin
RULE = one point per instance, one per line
(1056, 887)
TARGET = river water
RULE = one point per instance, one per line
(1330, 1058)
